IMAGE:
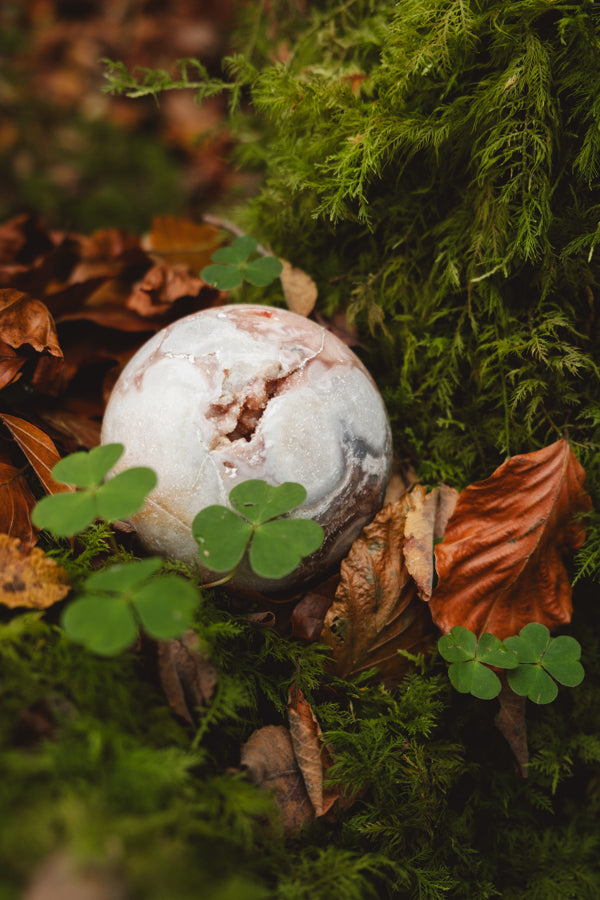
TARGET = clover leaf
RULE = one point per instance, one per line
(117, 600)
(543, 661)
(276, 545)
(68, 512)
(232, 265)
(470, 658)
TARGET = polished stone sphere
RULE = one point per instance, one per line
(243, 391)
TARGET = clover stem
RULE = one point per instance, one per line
(223, 580)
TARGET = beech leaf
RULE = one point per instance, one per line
(426, 523)
(299, 290)
(501, 564)
(16, 503)
(39, 449)
(376, 611)
(311, 754)
(28, 577)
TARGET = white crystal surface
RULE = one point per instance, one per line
(240, 392)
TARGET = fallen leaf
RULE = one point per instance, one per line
(61, 876)
(16, 503)
(10, 364)
(376, 611)
(311, 754)
(26, 320)
(269, 758)
(510, 721)
(501, 562)
(182, 242)
(308, 615)
(39, 449)
(299, 290)
(161, 286)
(426, 522)
(187, 677)
(28, 577)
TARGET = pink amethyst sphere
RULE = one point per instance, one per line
(239, 392)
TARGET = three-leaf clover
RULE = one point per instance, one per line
(470, 658)
(71, 511)
(233, 265)
(118, 599)
(543, 661)
(277, 545)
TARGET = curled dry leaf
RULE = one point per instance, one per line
(299, 289)
(182, 242)
(510, 721)
(269, 758)
(376, 611)
(25, 320)
(188, 678)
(501, 563)
(311, 753)
(308, 615)
(426, 522)
(39, 449)
(29, 578)
(160, 287)
(16, 503)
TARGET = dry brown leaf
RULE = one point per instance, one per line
(10, 364)
(426, 522)
(501, 562)
(25, 320)
(39, 449)
(510, 721)
(182, 242)
(269, 758)
(161, 286)
(29, 578)
(376, 611)
(299, 289)
(311, 754)
(308, 615)
(188, 678)
(16, 503)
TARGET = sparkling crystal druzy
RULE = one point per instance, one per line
(240, 392)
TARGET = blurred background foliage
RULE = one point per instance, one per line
(82, 160)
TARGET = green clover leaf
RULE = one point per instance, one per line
(470, 658)
(238, 252)
(543, 662)
(123, 495)
(261, 272)
(231, 266)
(277, 545)
(258, 501)
(118, 599)
(471, 677)
(222, 537)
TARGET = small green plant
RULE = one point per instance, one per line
(117, 600)
(233, 266)
(277, 545)
(535, 662)
(69, 512)
(120, 598)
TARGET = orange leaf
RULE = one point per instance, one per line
(187, 676)
(25, 320)
(501, 562)
(376, 611)
(311, 754)
(268, 756)
(29, 578)
(39, 450)
(180, 241)
(16, 503)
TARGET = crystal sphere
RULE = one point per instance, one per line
(246, 391)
